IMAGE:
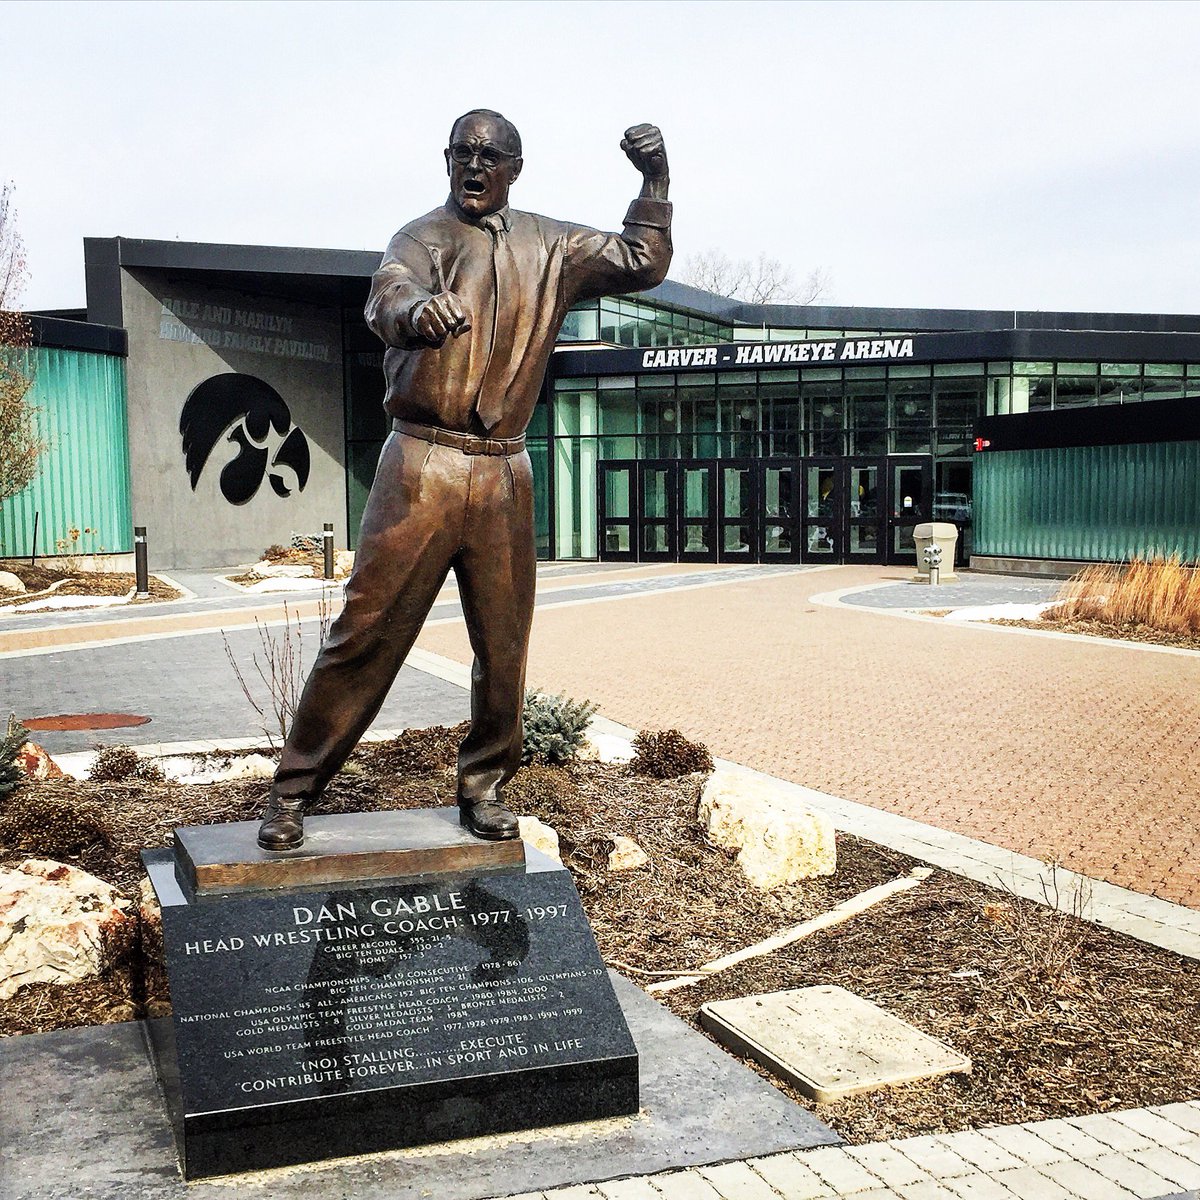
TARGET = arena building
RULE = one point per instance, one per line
(228, 397)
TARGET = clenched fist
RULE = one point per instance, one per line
(439, 317)
(644, 146)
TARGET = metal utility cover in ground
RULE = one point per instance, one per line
(827, 1042)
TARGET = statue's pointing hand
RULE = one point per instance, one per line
(439, 317)
(644, 146)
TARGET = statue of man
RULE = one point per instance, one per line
(469, 300)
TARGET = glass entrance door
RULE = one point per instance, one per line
(910, 502)
(698, 512)
(737, 524)
(821, 532)
(864, 538)
(779, 495)
(616, 503)
(657, 524)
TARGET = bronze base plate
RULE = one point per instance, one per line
(339, 849)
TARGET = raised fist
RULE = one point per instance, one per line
(644, 146)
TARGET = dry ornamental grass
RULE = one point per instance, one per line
(1160, 594)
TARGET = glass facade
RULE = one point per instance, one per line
(817, 412)
(1019, 387)
(628, 321)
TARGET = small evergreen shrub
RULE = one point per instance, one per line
(554, 727)
(11, 776)
(35, 822)
(122, 764)
(666, 754)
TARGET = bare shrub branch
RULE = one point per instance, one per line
(279, 665)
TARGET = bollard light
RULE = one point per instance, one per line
(327, 538)
(140, 567)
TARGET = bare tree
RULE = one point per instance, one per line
(20, 445)
(761, 280)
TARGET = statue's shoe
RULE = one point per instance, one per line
(488, 819)
(283, 825)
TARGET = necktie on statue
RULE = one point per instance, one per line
(492, 398)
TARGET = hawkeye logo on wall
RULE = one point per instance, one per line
(765, 353)
(254, 417)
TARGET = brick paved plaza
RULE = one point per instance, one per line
(1078, 750)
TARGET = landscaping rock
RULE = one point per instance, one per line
(606, 748)
(37, 763)
(626, 855)
(9, 583)
(778, 839)
(273, 570)
(249, 766)
(540, 836)
(343, 562)
(59, 924)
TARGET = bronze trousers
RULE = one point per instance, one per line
(432, 509)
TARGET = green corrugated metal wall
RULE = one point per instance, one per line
(83, 479)
(1103, 503)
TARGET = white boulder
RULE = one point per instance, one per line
(626, 854)
(606, 748)
(9, 583)
(274, 570)
(778, 839)
(540, 836)
(58, 924)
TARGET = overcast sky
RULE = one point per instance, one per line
(1012, 155)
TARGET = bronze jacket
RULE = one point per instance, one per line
(516, 285)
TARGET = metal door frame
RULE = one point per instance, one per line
(603, 520)
(851, 519)
(712, 466)
(794, 522)
(670, 521)
(834, 521)
(748, 465)
(895, 520)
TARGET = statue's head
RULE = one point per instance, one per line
(483, 161)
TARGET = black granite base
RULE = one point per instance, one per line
(280, 1135)
(80, 1116)
(315, 1025)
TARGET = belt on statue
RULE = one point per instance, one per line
(466, 442)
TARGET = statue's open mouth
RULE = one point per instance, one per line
(474, 187)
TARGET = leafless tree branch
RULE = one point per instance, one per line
(761, 280)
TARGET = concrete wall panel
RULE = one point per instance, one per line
(182, 334)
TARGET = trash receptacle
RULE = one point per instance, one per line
(943, 535)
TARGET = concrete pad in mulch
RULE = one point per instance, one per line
(82, 1116)
(827, 1042)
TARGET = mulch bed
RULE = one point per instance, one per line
(37, 578)
(1137, 632)
(1060, 1017)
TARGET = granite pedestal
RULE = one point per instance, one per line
(315, 1022)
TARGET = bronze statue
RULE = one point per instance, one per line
(469, 300)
